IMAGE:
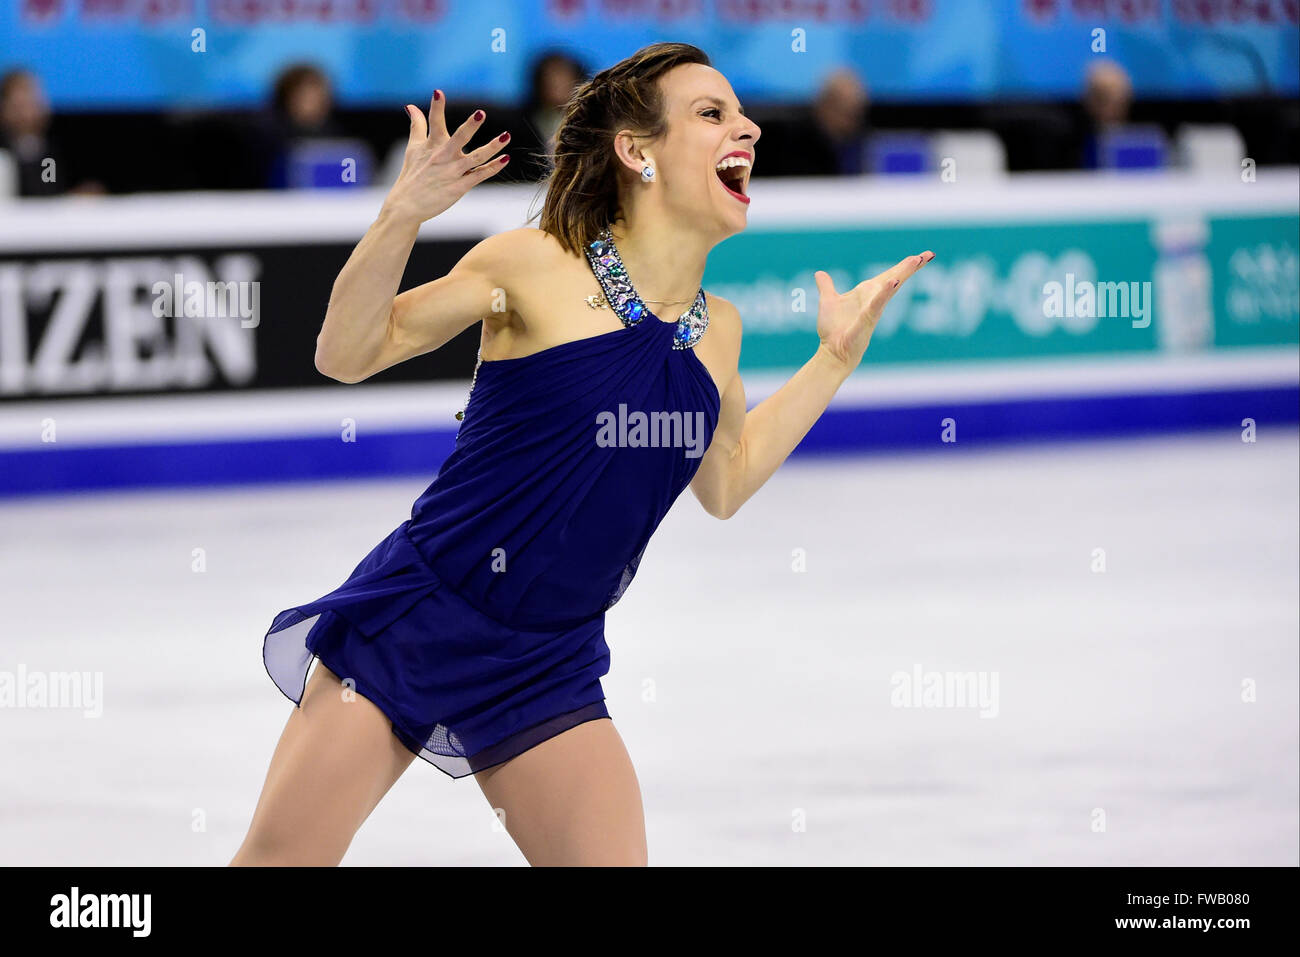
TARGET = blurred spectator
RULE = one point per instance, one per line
(1107, 99)
(43, 168)
(302, 102)
(828, 140)
(554, 77)
(301, 120)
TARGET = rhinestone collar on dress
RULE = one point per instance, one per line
(626, 303)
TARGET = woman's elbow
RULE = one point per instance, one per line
(327, 368)
(330, 367)
(721, 510)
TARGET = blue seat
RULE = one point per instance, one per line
(899, 153)
(319, 164)
(1133, 147)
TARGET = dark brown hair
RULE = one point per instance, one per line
(12, 78)
(582, 188)
(291, 78)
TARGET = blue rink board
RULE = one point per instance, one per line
(842, 430)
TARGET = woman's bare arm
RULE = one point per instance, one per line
(368, 326)
(422, 319)
(748, 447)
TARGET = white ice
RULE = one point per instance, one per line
(755, 699)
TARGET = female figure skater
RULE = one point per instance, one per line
(473, 635)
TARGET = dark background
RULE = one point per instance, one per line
(175, 151)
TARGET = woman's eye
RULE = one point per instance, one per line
(712, 109)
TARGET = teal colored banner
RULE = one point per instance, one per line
(1255, 265)
(1024, 290)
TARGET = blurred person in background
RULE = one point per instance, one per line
(24, 134)
(555, 76)
(302, 111)
(1107, 100)
(831, 138)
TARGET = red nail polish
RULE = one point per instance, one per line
(503, 137)
(437, 94)
(478, 114)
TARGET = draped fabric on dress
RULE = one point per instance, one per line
(477, 625)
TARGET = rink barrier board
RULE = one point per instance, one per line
(1232, 351)
(841, 430)
(1180, 264)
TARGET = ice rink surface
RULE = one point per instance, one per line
(757, 700)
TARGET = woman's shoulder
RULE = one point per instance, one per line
(726, 315)
(526, 245)
(506, 257)
(717, 305)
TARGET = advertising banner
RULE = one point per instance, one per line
(1026, 290)
(208, 53)
(189, 319)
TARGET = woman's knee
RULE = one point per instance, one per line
(631, 855)
(336, 760)
(269, 847)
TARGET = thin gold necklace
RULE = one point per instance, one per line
(599, 300)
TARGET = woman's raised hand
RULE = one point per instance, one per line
(435, 173)
(845, 322)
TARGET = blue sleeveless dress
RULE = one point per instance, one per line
(477, 625)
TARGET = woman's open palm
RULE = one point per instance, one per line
(845, 321)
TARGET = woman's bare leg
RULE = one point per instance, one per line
(572, 800)
(336, 759)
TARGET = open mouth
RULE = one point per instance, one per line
(733, 174)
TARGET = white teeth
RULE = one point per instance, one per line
(731, 161)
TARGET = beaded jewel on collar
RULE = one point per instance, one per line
(627, 304)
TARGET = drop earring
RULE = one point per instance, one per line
(647, 173)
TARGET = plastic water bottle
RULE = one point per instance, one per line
(1184, 313)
